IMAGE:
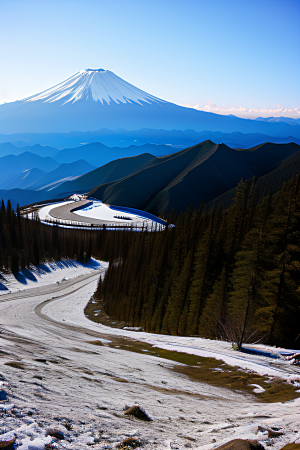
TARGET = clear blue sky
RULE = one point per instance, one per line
(232, 52)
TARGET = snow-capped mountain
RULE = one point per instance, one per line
(94, 99)
(97, 84)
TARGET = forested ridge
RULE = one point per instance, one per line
(24, 242)
(223, 274)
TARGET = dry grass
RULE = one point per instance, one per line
(213, 372)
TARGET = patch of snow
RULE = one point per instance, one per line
(258, 389)
(57, 183)
(101, 211)
(6, 406)
(35, 444)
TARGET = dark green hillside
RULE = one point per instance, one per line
(218, 274)
(158, 185)
(138, 189)
(269, 183)
(112, 171)
(199, 173)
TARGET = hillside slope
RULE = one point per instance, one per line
(22, 180)
(11, 164)
(73, 169)
(191, 176)
(267, 184)
(112, 171)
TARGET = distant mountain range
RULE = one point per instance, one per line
(47, 144)
(96, 98)
(99, 154)
(205, 172)
(289, 120)
(61, 174)
(30, 171)
(11, 165)
(8, 148)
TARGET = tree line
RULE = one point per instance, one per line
(232, 274)
(25, 242)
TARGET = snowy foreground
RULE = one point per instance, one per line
(55, 377)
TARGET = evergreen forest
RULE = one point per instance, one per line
(25, 242)
(229, 274)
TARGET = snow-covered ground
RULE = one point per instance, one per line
(63, 377)
(196, 346)
(45, 274)
(101, 211)
(97, 213)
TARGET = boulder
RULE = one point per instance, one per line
(241, 444)
(56, 433)
(272, 432)
(7, 441)
(130, 443)
(138, 412)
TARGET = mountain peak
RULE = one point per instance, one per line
(93, 70)
(99, 85)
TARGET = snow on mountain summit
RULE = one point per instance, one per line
(97, 84)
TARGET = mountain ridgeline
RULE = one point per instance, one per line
(218, 274)
(150, 177)
(195, 175)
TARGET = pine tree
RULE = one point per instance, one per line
(213, 319)
(196, 294)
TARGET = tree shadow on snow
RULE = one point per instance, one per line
(20, 278)
(92, 264)
(25, 275)
(28, 274)
(43, 268)
(3, 287)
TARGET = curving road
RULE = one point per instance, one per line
(56, 369)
